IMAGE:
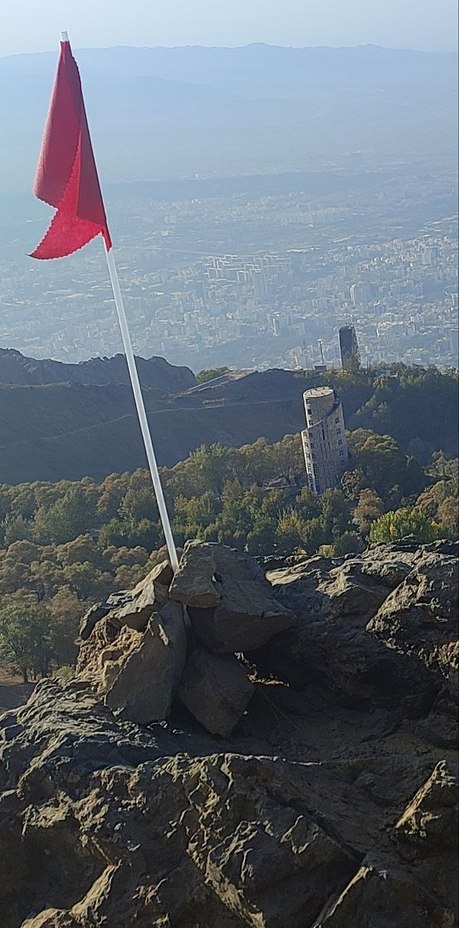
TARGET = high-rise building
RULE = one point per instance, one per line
(324, 441)
(349, 348)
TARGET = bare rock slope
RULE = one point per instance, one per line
(218, 764)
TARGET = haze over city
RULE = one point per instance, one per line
(418, 24)
(260, 195)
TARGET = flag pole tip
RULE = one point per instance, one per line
(64, 36)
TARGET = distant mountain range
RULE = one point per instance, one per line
(69, 420)
(177, 112)
(154, 373)
(65, 421)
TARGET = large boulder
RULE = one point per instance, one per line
(148, 596)
(134, 654)
(131, 607)
(102, 653)
(99, 611)
(195, 582)
(241, 612)
(136, 672)
(148, 678)
(215, 689)
(419, 618)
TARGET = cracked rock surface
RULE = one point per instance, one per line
(329, 804)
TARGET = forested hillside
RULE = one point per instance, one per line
(67, 544)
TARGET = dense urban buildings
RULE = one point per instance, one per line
(323, 439)
(251, 280)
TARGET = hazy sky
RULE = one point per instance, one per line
(34, 25)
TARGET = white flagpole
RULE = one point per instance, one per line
(140, 406)
(138, 397)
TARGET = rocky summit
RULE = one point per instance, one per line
(255, 745)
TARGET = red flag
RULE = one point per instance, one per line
(66, 175)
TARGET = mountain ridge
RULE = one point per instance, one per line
(156, 372)
(70, 429)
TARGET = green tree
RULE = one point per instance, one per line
(349, 543)
(115, 533)
(448, 515)
(86, 581)
(137, 504)
(379, 457)
(26, 638)
(289, 532)
(261, 538)
(308, 504)
(369, 508)
(312, 535)
(13, 575)
(69, 516)
(116, 557)
(352, 482)
(81, 548)
(45, 575)
(403, 523)
(336, 514)
(205, 375)
(23, 551)
(66, 611)
(15, 528)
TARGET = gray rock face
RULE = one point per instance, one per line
(102, 823)
(100, 610)
(348, 616)
(195, 582)
(231, 605)
(131, 607)
(146, 683)
(216, 690)
(419, 618)
(148, 596)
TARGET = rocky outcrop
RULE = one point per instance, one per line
(419, 618)
(325, 807)
(147, 680)
(230, 603)
(134, 647)
(216, 690)
(376, 629)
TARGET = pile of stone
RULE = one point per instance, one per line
(184, 638)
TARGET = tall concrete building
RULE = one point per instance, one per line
(349, 348)
(324, 442)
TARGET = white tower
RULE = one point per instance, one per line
(324, 442)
